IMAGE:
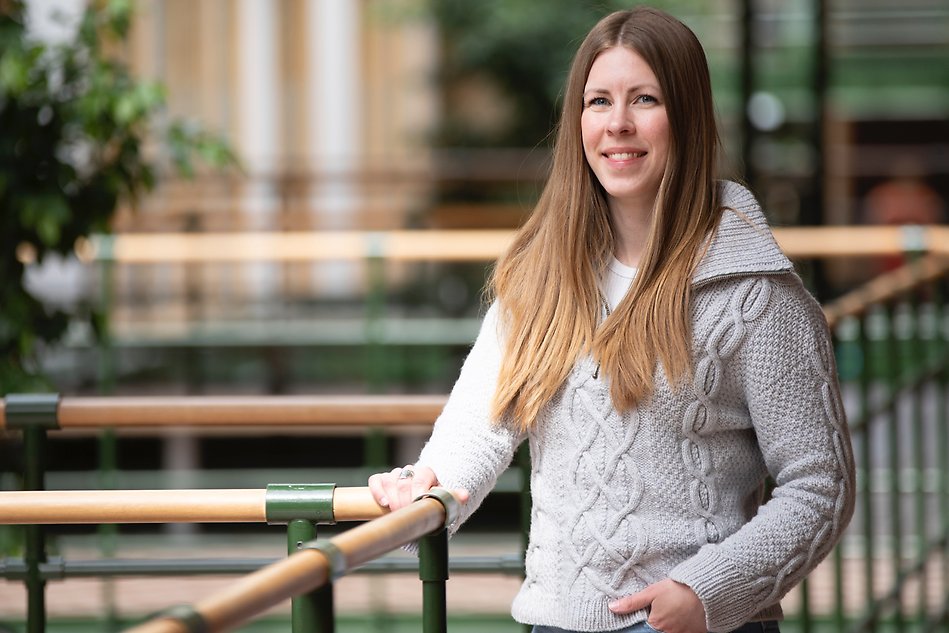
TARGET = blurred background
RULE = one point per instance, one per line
(374, 115)
(131, 128)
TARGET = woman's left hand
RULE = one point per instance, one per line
(673, 607)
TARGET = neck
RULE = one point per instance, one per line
(630, 231)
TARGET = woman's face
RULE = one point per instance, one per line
(624, 128)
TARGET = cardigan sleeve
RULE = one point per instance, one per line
(793, 399)
(467, 449)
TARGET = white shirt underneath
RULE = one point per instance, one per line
(617, 278)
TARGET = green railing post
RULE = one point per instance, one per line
(806, 623)
(836, 554)
(866, 457)
(433, 572)
(917, 361)
(942, 424)
(839, 615)
(313, 611)
(108, 533)
(894, 375)
(33, 414)
(301, 507)
(34, 441)
(108, 445)
(377, 361)
(433, 565)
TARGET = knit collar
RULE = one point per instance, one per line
(743, 243)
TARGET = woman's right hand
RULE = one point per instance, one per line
(397, 488)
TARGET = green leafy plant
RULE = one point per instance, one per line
(74, 130)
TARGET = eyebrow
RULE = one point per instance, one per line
(637, 88)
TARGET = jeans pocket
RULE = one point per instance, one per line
(766, 626)
(650, 627)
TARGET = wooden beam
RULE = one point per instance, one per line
(239, 411)
(459, 245)
(66, 507)
(306, 570)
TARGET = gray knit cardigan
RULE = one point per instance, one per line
(674, 488)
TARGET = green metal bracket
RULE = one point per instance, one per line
(433, 557)
(452, 507)
(914, 238)
(27, 410)
(287, 502)
(193, 621)
(311, 612)
(433, 564)
(33, 415)
(433, 572)
(334, 555)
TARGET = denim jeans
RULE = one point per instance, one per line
(769, 626)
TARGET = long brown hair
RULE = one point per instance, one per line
(547, 282)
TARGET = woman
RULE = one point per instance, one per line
(653, 344)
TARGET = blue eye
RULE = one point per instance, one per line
(598, 102)
(648, 99)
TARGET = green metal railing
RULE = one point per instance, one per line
(300, 506)
(890, 572)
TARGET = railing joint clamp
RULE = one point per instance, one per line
(288, 502)
(334, 556)
(31, 410)
(54, 568)
(452, 507)
(914, 238)
(375, 244)
(193, 621)
(13, 569)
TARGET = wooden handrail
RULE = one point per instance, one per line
(307, 570)
(886, 287)
(460, 245)
(237, 411)
(308, 246)
(860, 241)
(390, 411)
(64, 507)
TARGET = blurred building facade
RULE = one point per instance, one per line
(333, 104)
(334, 107)
(323, 101)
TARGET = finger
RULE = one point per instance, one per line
(378, 492)
(390, 487)
(462, 495)
(677, 608)
(634, 602)
(406, 485)
(423, 481)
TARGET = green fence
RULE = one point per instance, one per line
(891, 570)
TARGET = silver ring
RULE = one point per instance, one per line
(407, 473)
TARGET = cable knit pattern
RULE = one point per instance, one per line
(674, 487)
(604, 540)
(748, 301)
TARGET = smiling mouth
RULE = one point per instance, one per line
(625, 155)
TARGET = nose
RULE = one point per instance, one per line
(621, 121)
